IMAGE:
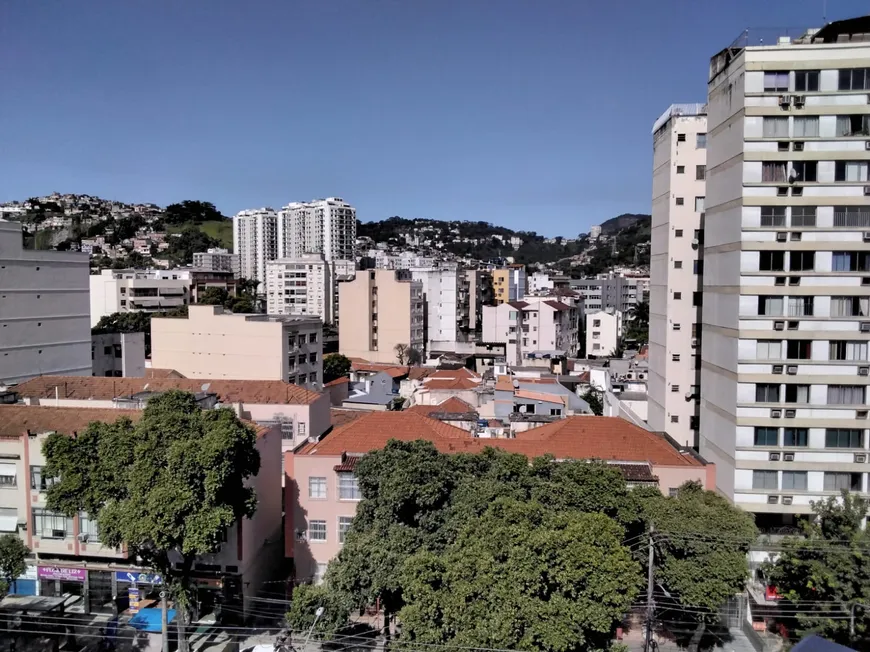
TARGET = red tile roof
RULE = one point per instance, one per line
(151, 372)
(337, 381)
(452, 405)
(540, 396)
(270, 392)
(462, 372)
(17, 420)
(392, 370)
(339, 417)
(557, 305)
(450, 383)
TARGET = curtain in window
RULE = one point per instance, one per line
(771, 306)
(845, 395)
(768, 350)
(841, 306)
(856, 351)
(797, 394)
(794, 480)
(773, 172)
(775, 127)
(806, 127)
(856, 171)
(841, 262)
(800, 307)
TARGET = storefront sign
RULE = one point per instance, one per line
(133, 595)
(62, 573)
(135, 577)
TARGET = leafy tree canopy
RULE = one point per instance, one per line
(13, 556)
(134, 322)
(307, 599)
(191, 211)
(335, 365)
(191, 240)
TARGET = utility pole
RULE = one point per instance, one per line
(650, 608)
(164, 624)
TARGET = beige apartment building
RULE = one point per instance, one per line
(379, 309)
(509, 283)
(301, 286)
(212, 343)
(679, 174)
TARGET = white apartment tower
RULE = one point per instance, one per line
(255, 241)
(679, 172)
(323, 226)
(300, 286)
(786, 315)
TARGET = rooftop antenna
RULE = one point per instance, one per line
(824, 12)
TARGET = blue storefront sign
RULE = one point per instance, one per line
(135, 577)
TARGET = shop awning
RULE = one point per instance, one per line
(8, 468)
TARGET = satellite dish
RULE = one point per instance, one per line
(205, 386)
(146, 387)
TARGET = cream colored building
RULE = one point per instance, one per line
(509, 283)
(323, 226)
(255, 241)
(300, 286)
(377, 310)
(679, 173)
(603, 330)
(138, 290)
(43, 310)
(786, 315)
(211, 343)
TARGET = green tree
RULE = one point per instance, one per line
(134, 322)
(702, 542)
(335, 365)
(195, 212)
(523, 577)
(401, 351)
(13, 556)
(595, 398)
(307, 599)
(413, 356)
(825, 573)
(191, 240)
(213, 296)
(169, 485)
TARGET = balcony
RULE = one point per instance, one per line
(852, 219)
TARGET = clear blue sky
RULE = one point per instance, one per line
(533, 114)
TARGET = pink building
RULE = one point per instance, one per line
(321, 492)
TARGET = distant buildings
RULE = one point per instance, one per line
(534, 327)
(301, 286)
(323, 226)
(44, 325)
(255, 241)
(617, 292)
(603, 331)
(509, 283)
(137, 290)
(118, 355)
(211, 343)
(446, 304)
(217, 260)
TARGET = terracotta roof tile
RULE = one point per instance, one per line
(557, 305)
(270, 392)
(453, 405)
(450, 383)
(462, 372)
(418, 373)
(17, 420)
(394, 371)
(539, 396)
(504, 383)
(337, 381)
(339, 417)
(151, 372)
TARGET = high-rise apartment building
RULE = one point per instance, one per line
(44, 327)
(378, 310)
(509, 283)
(446, 297)
(255, 241)
(323, 226)
(616, 292)
(679, 173)
(300, 286)
(786, 315)
(478, 285)
(217, 260)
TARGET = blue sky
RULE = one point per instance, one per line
(533, 114)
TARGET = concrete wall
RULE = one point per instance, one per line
(118, 354)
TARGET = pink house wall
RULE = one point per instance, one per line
(671, 477)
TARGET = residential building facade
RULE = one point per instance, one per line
(617, 292)
(480, 293)
(138, 290)
(217, 260)
(533, 327)
(213, 343)
(117, 355)
(255, 241)
(379, 310)
(446, 304)
(300, 286)
(676, 254)
(786, 315)
(323, 226)
(43, 294)
(603, 330)
(509, 283)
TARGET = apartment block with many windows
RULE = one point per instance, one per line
(679, 182)
(786, 315)
(255, 241)
(323, 226)
(300, 286)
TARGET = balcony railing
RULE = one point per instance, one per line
(852, 219)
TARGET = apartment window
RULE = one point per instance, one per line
(88, 527)
(799, 349)
(513, 315)
(806, 127)
(680, 201)
(850, 171)
(676, 327)
(681, 138)
(854, 351)
(770, 306)
(851, 261)
(596, 335)
(766, 436)
(38, 482)
(697, 299)
(698, 267)
(772, 216)
(840, 481)
(678, 264)
(675, 389)
(317, 530)
(343, 526)
(312, 338)
(850, 306)
(767, 393)
(675, 418)
(316, 487)
(699, 204)
(8, 474)
(51, 525)
(768, 350)
(678, 233)
(845, 394)
(800, 306)
(700, 172)
(771, 261)
(804, 171)
(854, 79)
(796, 437)
(797, 394)
(852, 216)
(678, 296)
(844, 438)
(853, 125)
(675, 357)
(801, 261)
(803, 216)
(701, 141)
(806, 80)
(596, 323)
(764, 480)
(681, 169)
(776, 81)
(774, 172)
(775, 128)
(796, 480)
(348, 487)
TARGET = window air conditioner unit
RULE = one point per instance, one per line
(860, 458)
(797, 191)
(694, 342)
(774, 457)
(798, 101)
(58, 534)
(781, 236)
(865, 280)
(783, 101)
(779, 280)
(865, 326)
(866, 236)
(866, 190)
(792, 370)
(775, 414)
(867, 145)
(793, 325)
(864, 371)
(83, 537)
(772, 500)
(796, 236)
(788, 457)
(778, 325)
(777, 369)
(861, 414)
(782, 146)
(798, 146)
(794, 280)
(790, 414)
(787, 500)
(782, 191)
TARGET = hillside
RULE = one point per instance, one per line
(620, 222)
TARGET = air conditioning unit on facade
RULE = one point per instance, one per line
(798, 147)
(864, 371)
(777, 369)
(772, 500)
(860, 458)
(788, 457)
(774, 457)
(775, 414)
(781, 236)
(790, 414)
(792, 370)
(787, 500)
(778, 325)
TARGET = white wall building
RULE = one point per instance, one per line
(446, 307)
(532, 327)
(217, 260)
(786, 315)
(603, 330)
(679, 173)
(323, 226)
(44, 325)
(300, 286)
(255, 240)
(540, 283)
(118, 355)
(138, 290)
